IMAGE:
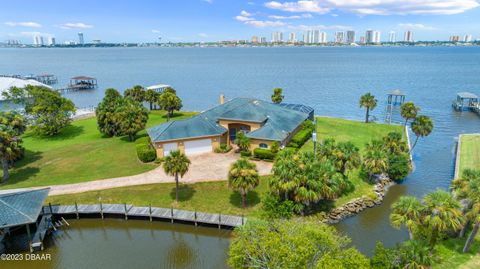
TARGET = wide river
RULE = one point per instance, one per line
(328, 79)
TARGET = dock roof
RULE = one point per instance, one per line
(7, 82)
(467, 95)
(396, 92)
(21, 207)
(83, 78)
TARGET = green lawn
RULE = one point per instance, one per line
(359, 133)
(213, 197)
(449, 254)
(79, 153)
(217, 197)
(469, 152)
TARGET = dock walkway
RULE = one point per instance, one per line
(43, 227)
(169, 214)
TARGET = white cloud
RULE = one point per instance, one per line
(156, 31)
(378, 7)
(208, 1)
(245, 13)
(416, 26)
(243, 18)
(203, 35)
(299, 6)
(24, 24)
(32, 34)
(293, 17)
(303, 27)
(261, 24)
(76, 25)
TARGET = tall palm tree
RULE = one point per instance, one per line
(409, 111)
(369, 102)
(243, 176)
(406, 211)
(375, 162)
(422, 126)
(442, 214)
(285, 170)
(151, 97)
(175, 164)
(415, 255)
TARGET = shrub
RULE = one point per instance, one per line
(264, 154)
(146, 153)
(142, 140)
(224, 148)
(302, 136)
(398, 166)
(245, 153)
(275, 147)
(275, 208)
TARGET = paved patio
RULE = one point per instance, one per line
(203, 167)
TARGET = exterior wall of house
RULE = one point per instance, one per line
(216, 140)
(255, 143)
(227, 124)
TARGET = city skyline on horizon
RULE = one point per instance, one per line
(216, 20)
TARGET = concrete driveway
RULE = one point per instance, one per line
(203, 167)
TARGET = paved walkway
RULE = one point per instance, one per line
(203, 167)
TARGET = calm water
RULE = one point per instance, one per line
(116, 243)
(328, 79)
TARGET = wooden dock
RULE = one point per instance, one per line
(43, 228)
(151, 213)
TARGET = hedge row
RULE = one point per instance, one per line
(145, 152)
(302, 136)
(263, 154)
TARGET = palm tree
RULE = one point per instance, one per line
(137, 93)
(243, 176)
(415, 255)
(442, 214)
(10, 150)
(369, 102)
(170, 102)
(375, 162)
(176, 163)
(285, 170)
(394, 143)
(277, 96)
(242, 141)
(406, 211)
(409, 111)
(422, 126)
(346, 156)
(151, 97)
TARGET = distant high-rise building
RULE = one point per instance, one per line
(315, 36)
(350, 37)
(323, 37)
(467, 38)
(377, 37)
(392, 37)
(408, 37)
(292, 37)
(254, 39)
(51, 41)
(80, 39)
(362, 40)
(306, 35)
(277, 37)
(263, 40)
(454, 38)
(38, 40)
(339, 37)
(369, 36)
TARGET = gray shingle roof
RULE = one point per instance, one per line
(467, 95)
(278, 121)
(18, 208)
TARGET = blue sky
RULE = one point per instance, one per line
(212, 20)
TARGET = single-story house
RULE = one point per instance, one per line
(263, 122)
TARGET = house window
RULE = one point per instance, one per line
(263, 146)
(233, 134)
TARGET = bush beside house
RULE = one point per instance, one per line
(302, 136)
(145, 152)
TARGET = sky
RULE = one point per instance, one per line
(215, 20)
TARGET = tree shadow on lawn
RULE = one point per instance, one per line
(252, 199)
(185, 192)
(20, 172)
(174, 115)
(67, 133)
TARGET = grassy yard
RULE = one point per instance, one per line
(470, 152)
(79, 153)
(359, 133)
(214, 197)
(449, 254)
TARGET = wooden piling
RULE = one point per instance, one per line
(150, 211)
(195, 217)
(29, 238)
(76, 210)
(125, 206)
(101, 209)
(219, 221)
(171, 214)
(50, 206)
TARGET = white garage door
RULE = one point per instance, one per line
(198, 146)
(169, 147)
